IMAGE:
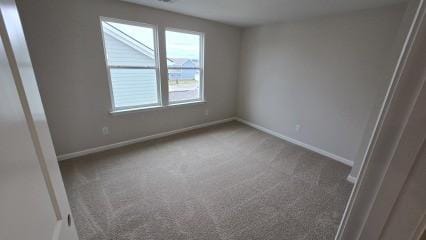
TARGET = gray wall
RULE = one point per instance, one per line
(394, 54)
(327, 74)
(65, 44)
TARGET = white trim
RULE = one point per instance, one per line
(164, 134)
(154, 108)
(381, 178)
(351, 179)
(138, 140)
(299, 143)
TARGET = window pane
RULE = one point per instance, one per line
(183, 51)
(131, 57)
(184, 84)
(134, 87)
(128, 45)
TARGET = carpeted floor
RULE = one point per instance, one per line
(228, 181)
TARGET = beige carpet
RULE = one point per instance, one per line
(224, 182)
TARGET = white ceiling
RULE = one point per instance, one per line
(257, 12)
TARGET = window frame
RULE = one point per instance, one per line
(161, 69)
(200, 68)
(157, 66)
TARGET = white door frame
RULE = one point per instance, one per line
(16, 50)
(398, 136)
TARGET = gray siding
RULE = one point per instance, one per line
(133, 87)
(119, 53)
(184, 74)
(130, 87)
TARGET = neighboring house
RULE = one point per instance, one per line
(138, 54)
(126, 50)
(183, 74)
(125, 54)
(127, 82)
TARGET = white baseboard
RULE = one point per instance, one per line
(297, 142)
(164, 134)
(351, 179)
(138, 140)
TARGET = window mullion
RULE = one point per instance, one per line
(185, 68)
(163, 66)
(132, 67)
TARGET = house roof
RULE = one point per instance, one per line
(178, 62)
(130, 41)
(141, 47)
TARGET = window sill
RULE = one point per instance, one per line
(181, 104)
(155, 108)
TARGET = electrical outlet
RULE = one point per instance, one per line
(206, 112)
(105, 131)
(298, 127)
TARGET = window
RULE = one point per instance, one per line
(132, 62)
(184, 65)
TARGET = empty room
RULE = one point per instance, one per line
(196, 119)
